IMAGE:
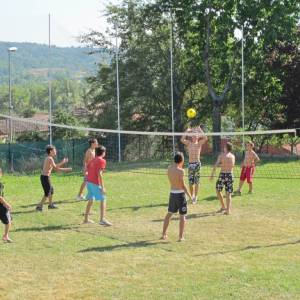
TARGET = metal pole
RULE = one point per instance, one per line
(10, 100)
(172, 81)
(118, 93)
(243, 88)
(49, 83)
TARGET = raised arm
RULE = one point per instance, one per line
(184, 139)
(202, 138)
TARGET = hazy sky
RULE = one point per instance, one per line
(27, 20)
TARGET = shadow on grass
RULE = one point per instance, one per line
(251, 247)
(136, 208)
(192, 216)
(23, 212)
(139, 244)
(210, 198)
(46, 228)
(66, 201)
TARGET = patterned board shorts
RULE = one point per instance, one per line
(194, 173)
(225, 179)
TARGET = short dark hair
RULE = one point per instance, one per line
(49, 148)
(178, 157)
(92, 141)
(100, 150)
(229, 146)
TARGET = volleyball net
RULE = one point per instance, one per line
(142, 152)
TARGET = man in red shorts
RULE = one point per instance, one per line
(248, 168)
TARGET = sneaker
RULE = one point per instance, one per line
(104, 222)
(39, 208)
(88, 222)
(52, 206)
(80, 198)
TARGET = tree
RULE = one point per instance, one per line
(63, 117)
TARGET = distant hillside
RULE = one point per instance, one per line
(31, 61)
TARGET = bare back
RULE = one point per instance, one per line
(48, 166)
(227, 162)
(176, 176)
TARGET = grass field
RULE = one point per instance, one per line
(252, 254)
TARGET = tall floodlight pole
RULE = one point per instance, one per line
(10, 50)
(118, 92)
(172, 79)
(243, 88)
(49, 82)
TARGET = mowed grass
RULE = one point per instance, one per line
(252, 254)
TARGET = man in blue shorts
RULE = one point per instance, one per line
(95, 186)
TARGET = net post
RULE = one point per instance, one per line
(243, 88)
(73, 153)
(118, 93)
(172, 78)
(49, 81)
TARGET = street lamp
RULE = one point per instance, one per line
(10, 50)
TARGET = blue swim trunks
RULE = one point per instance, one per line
(94, 192)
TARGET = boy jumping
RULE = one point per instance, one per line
(177, 200)
(248, 168)
(194, 147)
(48, 166)
(5, 216)
(95, 186)
(226, 161)
(89, 155)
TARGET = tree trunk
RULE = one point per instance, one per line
(216, 126)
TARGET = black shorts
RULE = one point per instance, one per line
(47, 187)
(225, 179)
(5, 216)
(177, 202)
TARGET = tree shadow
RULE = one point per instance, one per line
(251, 247)
(46, 228)
(192, 216)
(139, 244)
(136, 208)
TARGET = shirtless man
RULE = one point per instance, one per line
(248, 168)
(48, 166)
(89, 155)
(177, 200)
(226, 162)
(194, 146)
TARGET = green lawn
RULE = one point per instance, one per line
(252, 254)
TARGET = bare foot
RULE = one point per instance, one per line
(227, 212)
(164, 237)
(221, 210)
(7, 240)
(181, 239)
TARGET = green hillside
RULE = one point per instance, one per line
(31, 61)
